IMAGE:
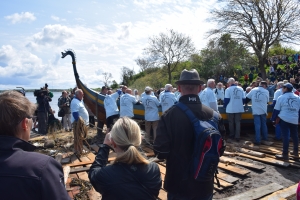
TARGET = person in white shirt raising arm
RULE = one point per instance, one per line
(151, 104)
(207, 97)
(111, 108)
(233, 102)
(260, 99)
(126, 104)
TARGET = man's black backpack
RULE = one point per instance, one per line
(208, 146)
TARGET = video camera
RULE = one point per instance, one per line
(43, 92)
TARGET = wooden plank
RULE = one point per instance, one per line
(250, 152)
(66, 171)
(227, 153)
(80, 169)
(257, 192)
(162, 169)
(226, 177)
(285, 193)
(267, 160)
(162, 194)
(223, 184)
(92, 193)
(233, 169)
(80, 163)
(242, 163)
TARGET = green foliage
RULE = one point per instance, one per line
(114, 85)
(278, 49)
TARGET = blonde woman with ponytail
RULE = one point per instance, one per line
(131, 176)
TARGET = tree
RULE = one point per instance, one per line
(169, 49)
(259, 24)
(114, 85)
(143, 63)
(126, 75)
(106, 78)
(223, 55)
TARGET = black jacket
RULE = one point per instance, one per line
(43, 103)
(174, 142)
(122, 181)
(28, 175)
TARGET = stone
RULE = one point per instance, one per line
(49, 144)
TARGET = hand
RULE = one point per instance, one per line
(107, 140)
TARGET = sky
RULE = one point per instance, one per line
(105, 35)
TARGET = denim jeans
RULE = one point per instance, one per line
(287, 130)
(172, 196)
(278, 131)
(260, 127)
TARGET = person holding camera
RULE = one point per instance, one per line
(131, 176)
(43, 109)
(64, 104)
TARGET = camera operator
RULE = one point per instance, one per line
(43, 99)
(64, 103)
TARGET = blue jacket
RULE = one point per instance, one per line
(28, 175)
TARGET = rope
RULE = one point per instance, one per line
(80, 133)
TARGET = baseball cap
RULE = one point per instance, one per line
(288, 85)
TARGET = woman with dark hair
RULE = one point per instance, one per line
(23, 174)
(131, 176)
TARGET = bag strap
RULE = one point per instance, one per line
(194, 120)
(145, 188)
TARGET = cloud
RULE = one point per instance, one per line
(22, 17)
(6, 53)
(99, 72)
(93, 48)
(51, 35)
(123, 30)
(55, 18)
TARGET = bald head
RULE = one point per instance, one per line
(128, 91)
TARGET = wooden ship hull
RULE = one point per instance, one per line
(95, 101)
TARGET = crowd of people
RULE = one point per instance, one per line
(131, 175)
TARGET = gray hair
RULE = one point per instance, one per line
(77, 91)
(168, 86)
(231, 80)
(210, 81)
(280, 84)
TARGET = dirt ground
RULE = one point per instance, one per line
(271, 174)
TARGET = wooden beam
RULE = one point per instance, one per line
(242, 163)
(226, 177)
(257, 192)
(250, 152)
(233, 169)
(267, 160)
(285, 193)
(81, 169)
(223, 184)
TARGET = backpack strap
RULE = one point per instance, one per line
(194, 120)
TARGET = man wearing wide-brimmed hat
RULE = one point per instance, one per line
(175, 138)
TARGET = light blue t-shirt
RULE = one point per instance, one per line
(260, 99)
(207, 97)
(235, 94)
(277, 94)
(288, 104)
(126, 105)
(78, 106)
(167, 100)
(110, 104)
(220, 93)
(151, 110)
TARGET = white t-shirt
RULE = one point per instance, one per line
(110, 104)
(78, 106)
(288, 104)
(151, 110)
(220, 93)
(207, 97)
(277, 94)
(126, 105)
(168, 99)
(235, 94)
(260, 99)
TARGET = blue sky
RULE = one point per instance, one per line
(105, 35)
